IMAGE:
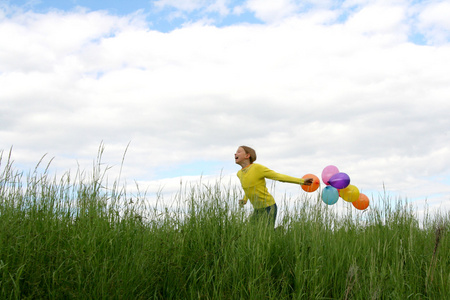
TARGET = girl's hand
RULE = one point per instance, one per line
(308, 181)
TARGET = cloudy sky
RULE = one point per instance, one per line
(179, 84)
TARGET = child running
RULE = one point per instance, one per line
(253, 180)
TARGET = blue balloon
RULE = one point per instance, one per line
(330, 195)
(339, 180)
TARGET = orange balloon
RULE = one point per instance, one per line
(314, 186)
(362, 203)
(350, 193)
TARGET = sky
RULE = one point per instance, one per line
(171, 88)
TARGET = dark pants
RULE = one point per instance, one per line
(270, 212)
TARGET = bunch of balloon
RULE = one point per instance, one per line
(338, 185)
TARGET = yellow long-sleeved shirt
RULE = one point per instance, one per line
(253, 181)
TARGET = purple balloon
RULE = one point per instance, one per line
(339, 180)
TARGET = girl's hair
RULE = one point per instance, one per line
(250, 151)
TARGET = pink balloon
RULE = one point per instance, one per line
(328, 172)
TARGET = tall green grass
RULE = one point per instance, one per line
(75, 237)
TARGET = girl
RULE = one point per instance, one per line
(253, 181)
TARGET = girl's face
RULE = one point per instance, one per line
(240, 156)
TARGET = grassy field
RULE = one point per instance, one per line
(77, 238)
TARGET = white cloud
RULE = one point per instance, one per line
(219, 6)
(184, 5)
(434, 21)
(304, 94)
(271, 11)
(40, 42)
(381, 21)
(238, 10)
